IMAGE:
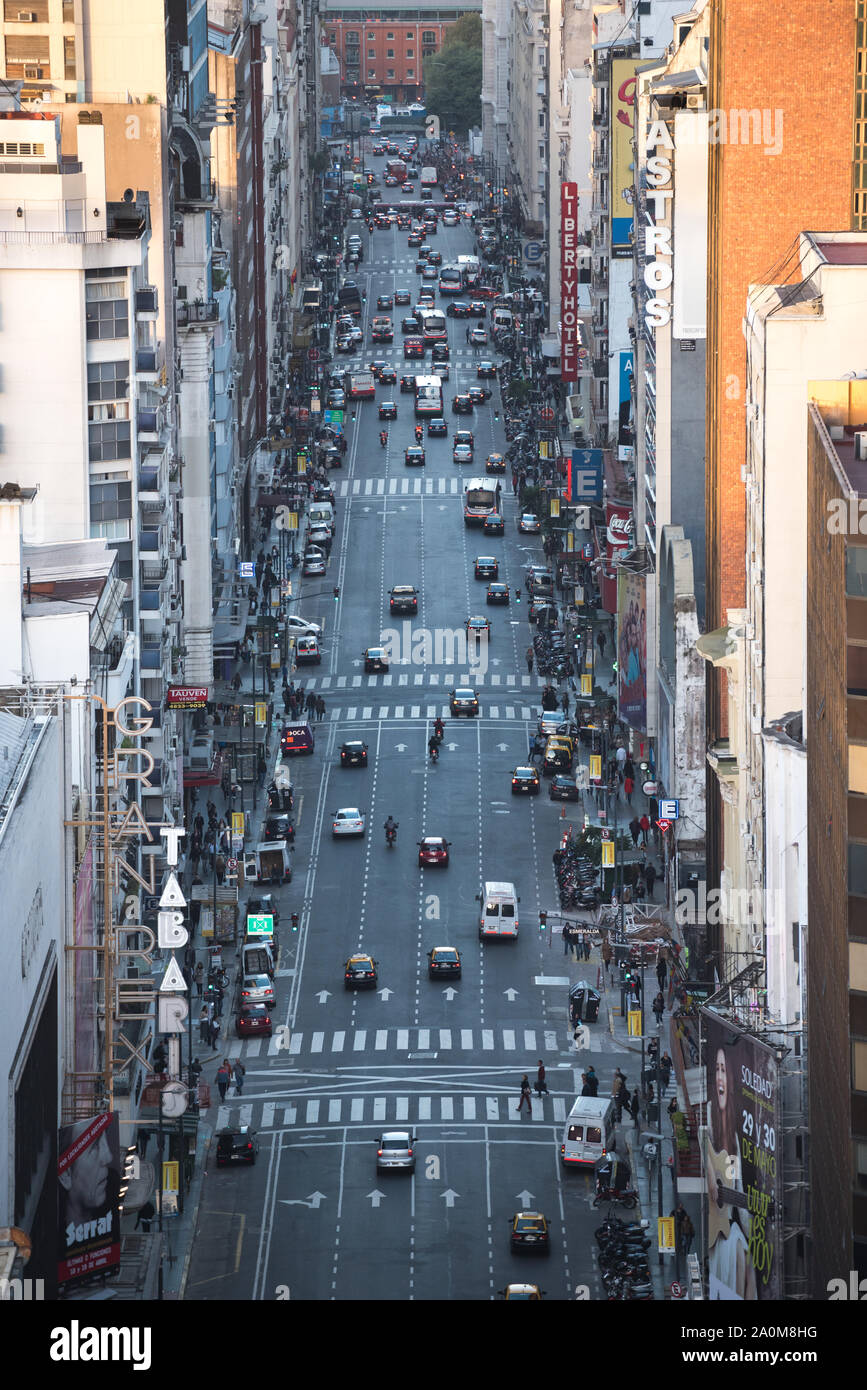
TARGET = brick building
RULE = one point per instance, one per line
(382, 48)
(782, 82)
(836, 725)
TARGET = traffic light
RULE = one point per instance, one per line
(543, 920)
(336, 593)
(294, 921)
(517, 595)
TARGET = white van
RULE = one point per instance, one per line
(589, 1131)
(499, 914)
(502, 320)
(320, 514)
(257, 958)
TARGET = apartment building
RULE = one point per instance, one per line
(382, 47)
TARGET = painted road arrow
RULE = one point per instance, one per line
(449, 993)
(385, 994)
(312, 1201)
(375, 1198)
(450, 1197)
(401, 747)
(323, 995)
(510, 995)
(525, 1198)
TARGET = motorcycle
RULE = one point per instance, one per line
(383, 438)
(391, 835)
(434, 752)
(628, 1196)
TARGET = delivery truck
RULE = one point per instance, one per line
(272, 862)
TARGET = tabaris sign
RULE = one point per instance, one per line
(657, 240)
(569, 281)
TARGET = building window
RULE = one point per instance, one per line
(428, 52)
(107, 318)
(370, 34)
(428, 36)
(410, 34)
(111, 440)
(389, 36)
(69, 11)
(371, 73)
(110, 530)
(110, 500)
(371, 53)
(858, 877)
(332, 38)
(389, 53)
(69, 58)
(856, 571)
(108, 381)
(391, 72)
(27, 57)
(410, 72)
(859, 1066)
(410, 53)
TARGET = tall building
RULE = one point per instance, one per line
(780, 159)
(496, 33)
(382, 47)
(836, 729)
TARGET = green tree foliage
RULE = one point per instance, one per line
(453, 86)
(467, 30)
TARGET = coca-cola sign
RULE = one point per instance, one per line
(618, 526)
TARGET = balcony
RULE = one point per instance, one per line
(148, 366)
(199, 311)
(147, 304)
(600, 369)
(600, 120)
(149, 424)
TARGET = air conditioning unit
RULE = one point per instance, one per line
(861, 444)
(695, 101)
(26, 17)
(31, 71)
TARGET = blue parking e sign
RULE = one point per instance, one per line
(586, 476)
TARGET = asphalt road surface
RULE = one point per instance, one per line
(311, 1219)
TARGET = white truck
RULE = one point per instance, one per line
(273, 864)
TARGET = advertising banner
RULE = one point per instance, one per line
(624, 413)
(569, 331)
(88, 1177)
(584, 477)
(631, 649)
(622, 180)
(187, 696)
(741, 1167)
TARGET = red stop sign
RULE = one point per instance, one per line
(546, 414)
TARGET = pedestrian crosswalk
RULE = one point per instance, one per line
(427, 677)
(414, 1042)
(390, 713)
(400, 487)
(389, 1109)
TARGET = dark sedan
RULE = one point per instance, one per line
(479, 394)
(444, 960)
(414, 455)
(413, 347)
(498, 593)
(407, 385)
(458, 309)
(563, 789)
(437, 427)
(410, 325)
(486, 567)
(236, 1145)
(387, 376)
(486, 371)
(387, 410)
(279, 828)
(353, 753)
(525, 780)
(494, 524)
(462, 404)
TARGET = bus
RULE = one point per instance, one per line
(397, 168)
(451, 279)
(480, 499)
(434, 328)
(428, 395)
(471, 268)
(428, 176)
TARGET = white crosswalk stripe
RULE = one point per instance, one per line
(390, 1109)
(403, 1040)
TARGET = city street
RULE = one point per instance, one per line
(443, 1058)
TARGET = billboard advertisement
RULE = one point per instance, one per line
(631, 649)
(622, 180)
(88, 1195)
(740, 1161)
(624, 413)
(569, 330)
(584, 477)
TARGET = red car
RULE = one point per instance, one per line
(433, 849)
(253, 1021)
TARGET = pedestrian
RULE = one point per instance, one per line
(567, 938)
(467, 334)
(664, 1073)
(525, 1094)
(240, 1073)
(541, 1083)
(673, 1108)
(287, 701)
(310, 703)
(514, 481)
(600, 642)
(236, 681)
(145, 1216)
(530, 655)
(223, 1078)
(215, 1032)
(628, 788)
(659, 1008)
(635, 830)
(198, 975)
(620, 758)
(579, 945)
(564, 703)
(261, 769)
(586, 945)
(205, 1024)
(650, 879)
(220, 866)
(617, 1083)
(142, 1140)
(661, 969)
(591, 1081)
(607, 955)
(645, 826)
(629, 768)
(320, 707)
(635, 1106)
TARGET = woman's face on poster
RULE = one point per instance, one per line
(721, 1079)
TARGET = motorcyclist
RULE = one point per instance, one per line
(433, 748)
(383, 437)
(439, 728)
(390, 828)
(419, 432)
